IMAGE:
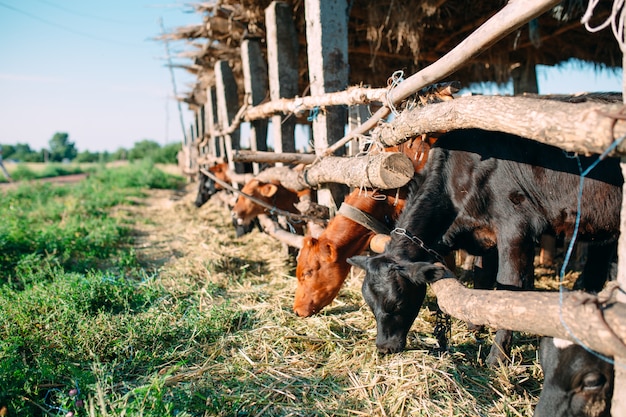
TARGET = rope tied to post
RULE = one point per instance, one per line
(396, 78)
(570, 248)
(616, 20)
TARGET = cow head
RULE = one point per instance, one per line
(576, 382)
(245, 210)
(394, 291)
(320, 274)
(207, 187)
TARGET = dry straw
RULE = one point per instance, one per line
(277, 364)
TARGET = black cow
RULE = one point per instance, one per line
(206, 189)
(492, 194)
(576, 382)
(207, 186)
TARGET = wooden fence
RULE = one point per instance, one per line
(584, 128)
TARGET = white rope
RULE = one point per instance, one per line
(396, 78)
(616, 20)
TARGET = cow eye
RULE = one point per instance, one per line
(593, 380)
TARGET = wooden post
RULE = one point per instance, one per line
(327, 51)
(282, 65)
(210, 121)
(255, 85)
(196, 125)
(356, 116)
(618, 406)
(227, 107)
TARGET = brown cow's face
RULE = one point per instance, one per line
(246, 210)
(320, 276)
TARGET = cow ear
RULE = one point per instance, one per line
(330, 252)
(268, 190)
(420, 273)
(359, 261)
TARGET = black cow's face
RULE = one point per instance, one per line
(394, 292)
(576, 382)
(206, 189)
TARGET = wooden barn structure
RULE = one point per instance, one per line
(326, 64)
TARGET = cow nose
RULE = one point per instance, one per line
(389, 347)
(304, 310)
(238, 220)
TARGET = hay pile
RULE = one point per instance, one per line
(273, 363)
(387, 35)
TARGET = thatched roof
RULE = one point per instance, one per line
(388, 35)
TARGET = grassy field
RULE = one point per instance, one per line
(118, 297)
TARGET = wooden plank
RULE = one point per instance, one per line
(282, 66)
(327, 52)
(618, 405)
(227, 107)
(210, 121)
(357, 115)
(256, 87)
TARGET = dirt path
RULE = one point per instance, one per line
(63, 179)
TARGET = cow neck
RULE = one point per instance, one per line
(363, 218)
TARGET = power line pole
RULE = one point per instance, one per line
(171, 68)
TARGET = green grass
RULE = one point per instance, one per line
(73, 296)
(137, 309)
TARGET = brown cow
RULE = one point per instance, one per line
(273, 194)
(322, 263)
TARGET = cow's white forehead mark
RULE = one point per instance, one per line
(561, 343)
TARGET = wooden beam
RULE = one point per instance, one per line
(585, 128)
(255, 83)
(227, 107)
(598, 324)
(327, 52)
(211, 122)
(282, 64)
(273, 157)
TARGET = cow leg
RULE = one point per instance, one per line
(484, 272)
(598, 268)
(515, 272)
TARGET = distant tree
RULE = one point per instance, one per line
(8, 152)
(120, 154)
(61, 148)
(144, 149)
(86, 156)
(20, 152)
(105, 156)
(167, 154)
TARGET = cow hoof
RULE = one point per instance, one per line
(496, 359)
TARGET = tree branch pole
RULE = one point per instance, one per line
(587, 127)
(512, 16)
(350, 97)
(273, 229)
(385, 170)
(599, 325)
(273, 157)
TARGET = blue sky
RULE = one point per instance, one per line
(90, 68)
